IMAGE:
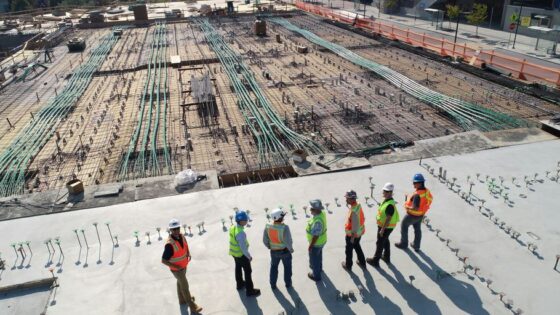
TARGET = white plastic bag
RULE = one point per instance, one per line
(185, 177)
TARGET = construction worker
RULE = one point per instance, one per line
(278, 239)
(387, 219)
(176, 256)
(317, 238)
(354, 229)
(239, 249)
(416, 207)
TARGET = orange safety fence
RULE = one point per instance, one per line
(517, 67)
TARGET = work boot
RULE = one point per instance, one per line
(362, 265)
(241, 286)
(310, 276)
(343, 264)
(415, 249)
(254, 292)
(373, 261)
(400, 245)
(196, 309)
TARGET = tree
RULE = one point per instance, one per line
(391, 5)
(478, 15)
(453, 12)
(20, 5)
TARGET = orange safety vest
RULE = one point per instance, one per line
(276, 235)
(357, 208)
(425, 203)
(180, 254)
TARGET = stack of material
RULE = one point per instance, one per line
(140, 12)
(260, 28)
(96, 17)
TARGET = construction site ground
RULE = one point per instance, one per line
(488, 246)
(319, 95)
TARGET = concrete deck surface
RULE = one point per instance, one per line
(130, 279)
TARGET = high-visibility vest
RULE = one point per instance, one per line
(382, 215)
(234, 249)
(180, 254)
(425, 202)
(357, 208)
(276, 236)
(322, 239)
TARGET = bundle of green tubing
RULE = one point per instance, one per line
(273, 138)
(467, 115)
(15, 160)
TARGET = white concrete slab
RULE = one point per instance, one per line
(130, 278)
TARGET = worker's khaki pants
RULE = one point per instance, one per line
(183, 288)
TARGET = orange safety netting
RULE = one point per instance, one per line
(516, 67)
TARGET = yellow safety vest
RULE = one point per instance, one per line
(322, 239)
(234, 249)
(382, 215)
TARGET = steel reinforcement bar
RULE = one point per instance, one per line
(274, 139)
(143, 146)
(467, 115)
(15, 160)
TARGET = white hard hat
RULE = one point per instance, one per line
(277, 214)
(388, 187)
(174, 223)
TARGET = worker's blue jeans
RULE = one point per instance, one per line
(286, 257)
(416, 222)
(316, 261)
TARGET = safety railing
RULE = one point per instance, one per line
(516, 67)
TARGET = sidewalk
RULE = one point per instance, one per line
(488, 38)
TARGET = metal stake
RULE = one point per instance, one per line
(110, 234)
(78, 237)
(97, 231)
(158, 233)
(85, 239)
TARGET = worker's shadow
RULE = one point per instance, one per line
(328, 293)
(462, 294)
(415, 299)
(297, 308)
(369, 295)
(251, 303)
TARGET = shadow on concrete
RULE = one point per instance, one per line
(470, 35)
(183, 188)
(462, 294)
(300, 308)
(251, 303)
(415, 299)
(328, 293)
(369, 294)
(286, 305)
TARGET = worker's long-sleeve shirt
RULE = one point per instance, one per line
(416, 201)
(287, 238)
(355, 223)
(242, 241)
(355, 220)
(317, 228)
